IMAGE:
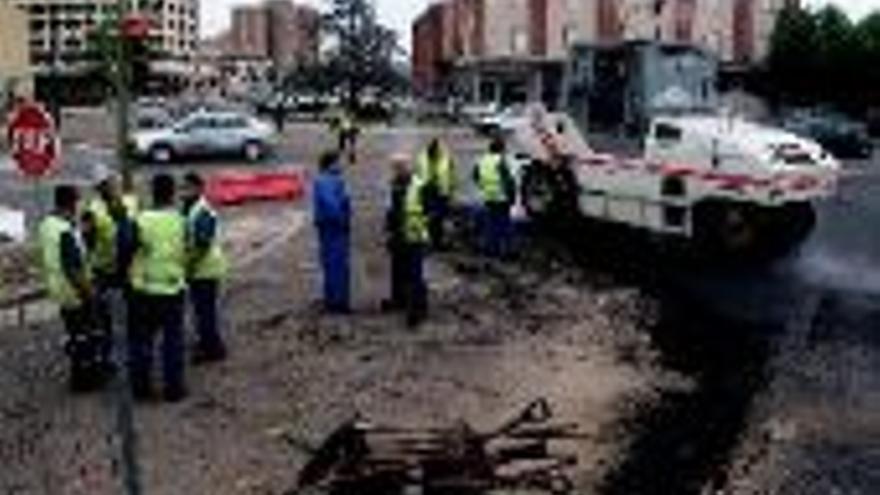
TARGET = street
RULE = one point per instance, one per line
(688, 378)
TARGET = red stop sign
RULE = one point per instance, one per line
(136, 26)
(33, 141)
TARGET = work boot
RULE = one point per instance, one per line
(143, 391)
(202, 355)
(391, 306)
(175, 395)
(415, 319)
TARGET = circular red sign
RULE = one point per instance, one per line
(33, 141)
(136, 26)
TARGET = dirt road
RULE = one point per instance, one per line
(499, 336)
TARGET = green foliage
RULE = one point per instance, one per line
(822, 57)
(361, 52)
(117, 60)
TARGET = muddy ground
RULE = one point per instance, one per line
(687, 378)
(500, 336)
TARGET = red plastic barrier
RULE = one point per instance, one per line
(239, 188)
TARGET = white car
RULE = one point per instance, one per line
(505, 121)
(203, 134)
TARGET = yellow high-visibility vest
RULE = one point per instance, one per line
(438, 172)
(102, 257)
(415, 223)
(489, 180)
(210, 265)
(159, 267)
(52, 229)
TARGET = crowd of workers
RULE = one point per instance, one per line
(422, 191)
(111, 262)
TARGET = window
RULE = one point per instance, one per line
(569, 35)
(519, 40)
(792, 154)
(667, 132)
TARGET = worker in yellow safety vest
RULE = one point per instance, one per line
(347, 134)
(158, 280)
(497, 192)
(206, 268)
(436, 169)
(108, 215)
(408, 238)
(69, 283)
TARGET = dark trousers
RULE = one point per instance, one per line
(408, 288)
(154, 315)
(398, 276)
(335, 265)
(497, 229)
(105, 290)
(203, 295)
(348, 144)
(438, 212)
(87, 348)
(417, 299)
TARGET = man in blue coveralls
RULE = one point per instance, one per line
(332, 218)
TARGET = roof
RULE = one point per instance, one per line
(747, 135)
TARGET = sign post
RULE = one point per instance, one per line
(34, 145)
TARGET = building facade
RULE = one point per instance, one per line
(58, 40)
(280, 31)
(455, 33)
(58, 31)
(248, 32)
(16, 78)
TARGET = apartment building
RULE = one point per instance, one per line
(15, 71)
(532, 35)
(293, 33)
(280, 31)
(58, 31)
(247, 35)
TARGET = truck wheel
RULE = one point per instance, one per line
(726, 229)
(791, 226)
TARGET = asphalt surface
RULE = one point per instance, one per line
(787, 357)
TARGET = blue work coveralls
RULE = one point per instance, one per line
(332, 218)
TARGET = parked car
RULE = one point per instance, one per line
(206, 134)
(842, 137)
(504, 121)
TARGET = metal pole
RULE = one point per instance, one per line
(125, 407)
(122, 79)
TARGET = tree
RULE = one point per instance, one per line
(792, 61)
(837, 68)
(361, 53)
(867, 37)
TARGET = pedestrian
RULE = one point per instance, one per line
(497, 192)
(332, 219)
(68, 280)
(437, 170)
(206, 269)
(408, 237)
(347, 135)
(279, 114)
(158, 278)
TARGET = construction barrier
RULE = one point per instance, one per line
(237, 188)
